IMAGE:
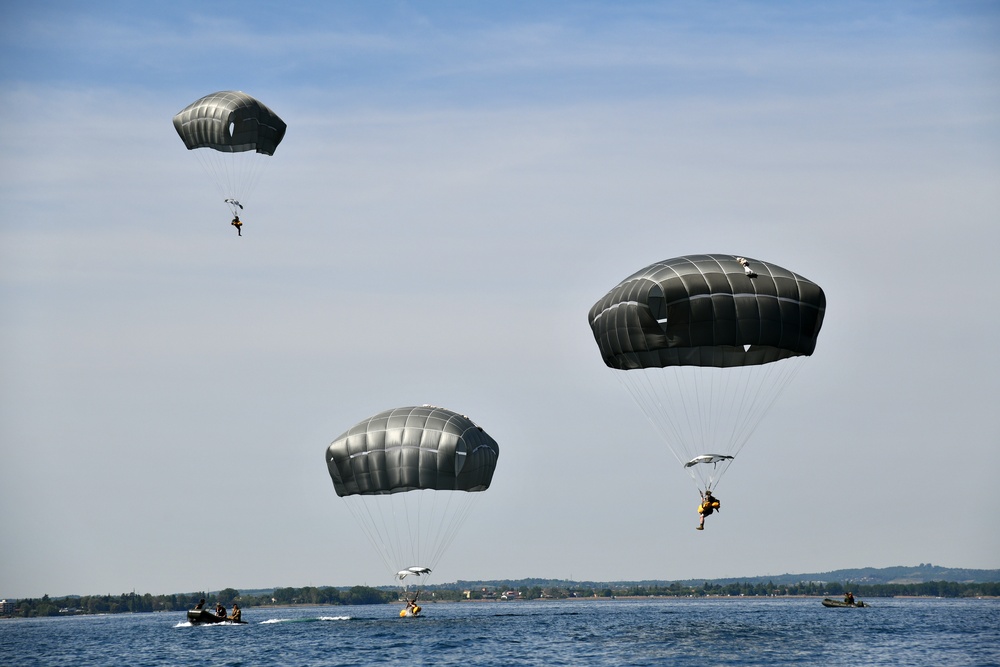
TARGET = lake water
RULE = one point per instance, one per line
(722, 631)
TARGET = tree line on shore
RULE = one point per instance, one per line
(136, 603)
(355, 595)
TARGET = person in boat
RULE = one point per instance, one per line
(237, 224)
(220, 610)
(412, 608)
(709, 504)
(237, 614)
(200, 605)
(849, 598)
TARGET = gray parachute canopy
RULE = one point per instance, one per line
(405, 449)
(231, 122)
(707, 310)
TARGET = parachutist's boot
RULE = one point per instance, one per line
(700, 528)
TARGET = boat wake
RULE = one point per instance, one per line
(189, 624)
(305, 620)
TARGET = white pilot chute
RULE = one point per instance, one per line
(418, 571)
(708, 458)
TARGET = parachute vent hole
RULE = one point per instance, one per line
(657, 306)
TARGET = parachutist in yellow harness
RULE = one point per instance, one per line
(709, 504)
(412, 608)
(237, 224)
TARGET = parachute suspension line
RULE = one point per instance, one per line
(779, 375)
(647, 398)
(413, 528)
(431, 533)
(380, 514)
(386, 513)
(413, 531)
(214, 166)
(235, 175)
(738, 394)
(443, 513)
(693, 414)
(463, 501)
(700, 410)
(709, 392)
(248, 171)
(364, 517)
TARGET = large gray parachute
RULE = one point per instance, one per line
(230, 121)
(411, 448)
(708, 310)
(705, 344)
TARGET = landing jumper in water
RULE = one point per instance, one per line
(409, 475)
(412, 608)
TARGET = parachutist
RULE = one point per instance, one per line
(238, 225)
(709, 504)
(405, 503)
(231, 130)
(412, 608)
(702, 351)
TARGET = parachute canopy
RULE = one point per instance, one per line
(704, 310)
(409, 476)
(705, 344)
(405, 449)
(231, 122)
(241, 134)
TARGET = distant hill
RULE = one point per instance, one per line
(901, 574)
(893, 575)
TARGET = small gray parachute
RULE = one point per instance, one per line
(230, 121)
(410, 476)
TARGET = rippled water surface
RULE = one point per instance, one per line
(727, 631)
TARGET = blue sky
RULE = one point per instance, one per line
(459, 183)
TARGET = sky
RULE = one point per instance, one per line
(458, 184)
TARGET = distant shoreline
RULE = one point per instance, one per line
(609, 599)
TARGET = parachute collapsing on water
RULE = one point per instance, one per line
(705, 343)
(238, 131)
(409, 476)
